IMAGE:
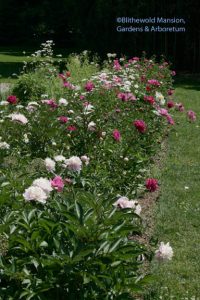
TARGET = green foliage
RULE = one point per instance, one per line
(30, 87)
(71, 248)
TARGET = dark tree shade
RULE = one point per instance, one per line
(91, 24)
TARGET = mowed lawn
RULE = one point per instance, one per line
(177, 216)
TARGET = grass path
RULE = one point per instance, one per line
(178, 210)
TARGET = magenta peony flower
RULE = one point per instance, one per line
(170, 92)
(71, 128)
(89, 86)
(170, 104)
(149, 99)
(140, 125)
(151, 184)
(191, 116)
(63, 119)
(57, 183)
(116, 135)
(12, 99)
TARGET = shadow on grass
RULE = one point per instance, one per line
(188, 81)
(7, 69)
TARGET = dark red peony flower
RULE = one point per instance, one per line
(151, 184)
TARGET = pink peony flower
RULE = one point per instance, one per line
(89, 86)
(179, 106)
(63, 119)
(170, 104)
(164, 252)
(126, 96)
(153, 82)
(57, 183)
(12, 99)
(151, 184)
(173, 73)
(170, 120)
(71, 128)
(116, 135)
(82, 97)
(140, 125)
(51, 103)
(163, 112)
(191, 116)
(117, 65)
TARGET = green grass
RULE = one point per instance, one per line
(177, 215)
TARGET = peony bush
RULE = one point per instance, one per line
(74, 166)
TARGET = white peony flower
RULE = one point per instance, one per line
(59, 158)
(124, 202)
(164, 252)
(4, 103)
(44, 184)
(160, 98)
(35, 193)
(4, 145)
(19, 118)
(74, 163)
(85, 159)
(92, 126)
(50, 164)
(63, 102)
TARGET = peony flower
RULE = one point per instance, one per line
(74, 164)
(63, 119)
(4, 145)
(44, 184)
(89, 86)
(50, 164)
(57, 183)
(179, 107)
(154, 82)
(149, 99)
(92, 126)
(191, 116)
(124, 202)
(18, 118)
(140, 125)
(116, 135)
(117, 65)
(12, 99)
(63, 102)
(59, 158)
(170, 92)
(151, 184)
(71, 128)
(170, 104)
(170, 120)
(164, 252)
(160, 98)
(85, 159)
(32, 106)
(35, 193)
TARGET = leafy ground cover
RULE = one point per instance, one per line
(76, 154)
